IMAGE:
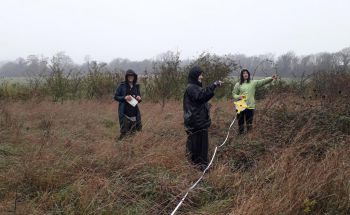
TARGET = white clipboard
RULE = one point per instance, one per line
(133, 102)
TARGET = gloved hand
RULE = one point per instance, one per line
(218, 83)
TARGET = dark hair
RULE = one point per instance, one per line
(242, 79)
(130, 72)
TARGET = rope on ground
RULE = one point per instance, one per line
(205, 170)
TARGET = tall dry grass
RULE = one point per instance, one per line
(64, 159)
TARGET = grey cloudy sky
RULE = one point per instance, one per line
(138, 29)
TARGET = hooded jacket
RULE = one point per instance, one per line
(195, 102)
(121, 92)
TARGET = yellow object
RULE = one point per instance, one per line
(240, 105)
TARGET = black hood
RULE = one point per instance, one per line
(195, 72)
(130, 72)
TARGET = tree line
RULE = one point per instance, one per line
(288, 64)
(165, 77)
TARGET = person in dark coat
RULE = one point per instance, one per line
(129, 116)
(196, 116)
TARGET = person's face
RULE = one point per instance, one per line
(131, 78)
(245, 75)
(200, 78)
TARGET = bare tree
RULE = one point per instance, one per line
(344, 58)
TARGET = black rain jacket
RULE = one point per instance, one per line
(195, 103)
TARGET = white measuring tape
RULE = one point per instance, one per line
(210, 163)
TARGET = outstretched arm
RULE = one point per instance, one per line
(201, 95)
(262, 82)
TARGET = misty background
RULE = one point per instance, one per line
(297, 36)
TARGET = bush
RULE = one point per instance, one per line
(216, 68)
(100, 82)
(168, 80)
(330, 84)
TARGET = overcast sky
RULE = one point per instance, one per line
(139, 29)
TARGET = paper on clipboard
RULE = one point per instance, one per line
(133, 102)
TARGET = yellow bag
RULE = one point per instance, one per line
(241, 105)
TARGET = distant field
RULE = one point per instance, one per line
(21, 80)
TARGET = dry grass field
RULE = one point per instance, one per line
(63, 159)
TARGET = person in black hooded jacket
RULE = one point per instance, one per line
(196, 116)
(129, 116)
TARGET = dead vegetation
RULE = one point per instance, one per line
(63, 159)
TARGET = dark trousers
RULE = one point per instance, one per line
(129, 127)
(246, 115)
(197, 148)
